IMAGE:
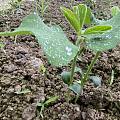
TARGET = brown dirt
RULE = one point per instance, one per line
(19, 70)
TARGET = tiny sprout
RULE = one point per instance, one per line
(42, 69)
(46, 104)
(24, 91)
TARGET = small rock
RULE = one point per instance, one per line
(10, 90)
(64, 117)
(22, 50)
(29, 112)
(77, 109)
(36, 62)
(17, 88)
(5, 80)
(10, 68)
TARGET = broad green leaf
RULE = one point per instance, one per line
(51, 100)
(76, 88)
(70, 16)
(97, 29)
(115, 10)
(107, 40)
(58, 49)
(96, 80)
(66, 77)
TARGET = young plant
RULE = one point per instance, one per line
(15, 3)
(24, 91)
(46, 104)
(60, 51)
(41, 6)
(80, 16)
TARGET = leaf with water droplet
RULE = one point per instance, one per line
(98, 29)
(96, 80)
(107, 40)
(52, 39)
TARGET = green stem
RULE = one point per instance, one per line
(78, 42)
(85, 77)
(73, 69)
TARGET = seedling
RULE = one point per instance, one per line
(24, 91)
(60, 51)
(2, 45)
(41, 6)
(15, 3)
(42, 69)
(46, 104)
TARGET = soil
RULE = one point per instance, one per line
(19, 70)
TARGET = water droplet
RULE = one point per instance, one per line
(34, 13)
(69, 50)
(108, 36)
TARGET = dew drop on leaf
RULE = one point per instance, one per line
(69, 50)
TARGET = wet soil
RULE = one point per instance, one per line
(19, 70)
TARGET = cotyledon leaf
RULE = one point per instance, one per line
(107, 40)
(59, 50)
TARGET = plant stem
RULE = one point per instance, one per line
(85, 77)
(75, 59)
(73, 68)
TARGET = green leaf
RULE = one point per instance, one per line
(66, 77)
(51, 100)
(70, 16)
(89, 17)
(97, 29)
(96, 80)
(107, 40)
(58, 49)
(80, 11)
(115, 10)
(76, 88)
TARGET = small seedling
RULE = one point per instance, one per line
(42, 69)
(46, 104)
(24, 91)
(2, 45)
(60, 51)
(41, 6)
(15, 3)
